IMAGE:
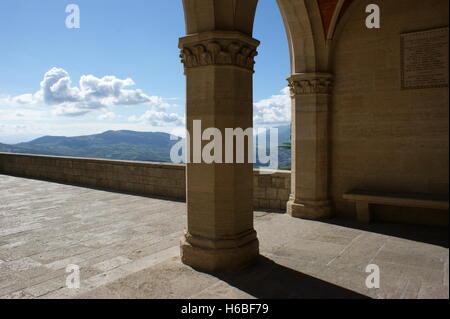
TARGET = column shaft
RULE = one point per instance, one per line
(219, 74)
(310, 102)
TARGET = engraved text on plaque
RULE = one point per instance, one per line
(425, 59)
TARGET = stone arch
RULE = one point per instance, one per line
(359, 54)
(310, 26)
(351, 8)
(302, 20)
(299, 33)
(218, 53)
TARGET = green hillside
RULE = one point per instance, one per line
(119, 145)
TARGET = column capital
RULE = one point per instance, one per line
(310, 83)
(218, 48)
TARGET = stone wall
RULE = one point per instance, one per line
(145, 178)
(165, 180)
(382, 137)
(271, 191)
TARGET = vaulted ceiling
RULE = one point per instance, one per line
(330, 9)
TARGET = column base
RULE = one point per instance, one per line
(314, 210)
(218, 256)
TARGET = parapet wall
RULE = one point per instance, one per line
(145, 178)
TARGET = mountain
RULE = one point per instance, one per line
(120, 145)
(284, 155)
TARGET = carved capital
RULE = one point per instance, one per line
(310, 83)
(218, 48)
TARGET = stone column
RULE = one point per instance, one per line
(219, 74)
(310, 94)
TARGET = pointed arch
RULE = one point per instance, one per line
(299, 34)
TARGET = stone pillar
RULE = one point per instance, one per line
(310, 94)
(219, 74)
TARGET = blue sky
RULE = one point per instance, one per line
(129, 47)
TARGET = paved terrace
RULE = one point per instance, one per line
(127, 247)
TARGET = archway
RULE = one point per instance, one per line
(218, 54)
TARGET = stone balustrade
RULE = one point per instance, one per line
(271, 191)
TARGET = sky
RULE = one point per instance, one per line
(119, 71)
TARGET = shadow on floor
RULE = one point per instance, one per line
(425, 234)
(268, 280)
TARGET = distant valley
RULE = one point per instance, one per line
(119, 145)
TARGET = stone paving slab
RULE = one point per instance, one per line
(128, 247)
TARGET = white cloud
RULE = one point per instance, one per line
(273, 110)
(93, 94)
(24, 99)
(58, 96)
(23, 114)
(111, 90)
(20, 100)
(107, 116)
(57, 88)
(158, 118)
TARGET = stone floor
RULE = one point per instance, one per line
(127, 247)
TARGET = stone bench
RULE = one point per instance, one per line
(364, 199)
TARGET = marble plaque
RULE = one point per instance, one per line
(425, 59)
